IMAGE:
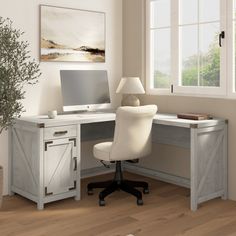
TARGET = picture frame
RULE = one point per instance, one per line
(71, 35)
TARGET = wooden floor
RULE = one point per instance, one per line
(165, 212)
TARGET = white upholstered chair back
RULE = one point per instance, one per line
(132, 138)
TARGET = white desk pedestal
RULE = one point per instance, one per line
(208, 178)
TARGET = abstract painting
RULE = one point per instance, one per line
(71, 35)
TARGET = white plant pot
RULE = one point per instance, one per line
(1, 185)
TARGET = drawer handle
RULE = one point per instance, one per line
(60, 132)
(75, 163)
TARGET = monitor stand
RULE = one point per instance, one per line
(89, 111)
(97, 111)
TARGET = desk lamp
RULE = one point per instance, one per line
(130, 86)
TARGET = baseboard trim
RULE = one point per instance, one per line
(154, 174)
(100, 170)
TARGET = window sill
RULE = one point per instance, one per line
(231, 96)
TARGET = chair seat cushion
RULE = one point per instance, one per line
(102, 151)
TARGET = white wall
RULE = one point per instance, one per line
(46, 95)
(133, 46)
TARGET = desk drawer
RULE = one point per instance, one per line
(60, 132)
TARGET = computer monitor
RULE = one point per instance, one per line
(85, 90)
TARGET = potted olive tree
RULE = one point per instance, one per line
(16, 71)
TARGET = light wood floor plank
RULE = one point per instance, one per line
(165, 213)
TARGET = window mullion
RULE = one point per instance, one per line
(230, 42)
(198, 43)
(175, 44)
(223, 50)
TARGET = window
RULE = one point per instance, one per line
(186, 47)
(160, 43)
(199, 46)
(234, 45)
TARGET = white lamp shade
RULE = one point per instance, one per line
(130, 85)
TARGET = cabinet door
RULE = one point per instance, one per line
(59, 166)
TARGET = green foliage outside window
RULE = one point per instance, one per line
(209, 71)
(161, 80)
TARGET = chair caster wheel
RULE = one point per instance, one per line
(102, 202)
(145, 190)
(139, 202)
(90, 192)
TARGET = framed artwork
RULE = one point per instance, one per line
(71, 35)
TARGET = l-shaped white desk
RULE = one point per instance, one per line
(46, 153)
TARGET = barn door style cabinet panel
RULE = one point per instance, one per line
(60, 165)
(44, 162)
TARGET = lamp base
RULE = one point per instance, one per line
(130, 100)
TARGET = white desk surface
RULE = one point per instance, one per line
(163, 119)
(172, 120)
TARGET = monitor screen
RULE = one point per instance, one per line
(84, 89)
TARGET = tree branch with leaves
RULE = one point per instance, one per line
(17, 69)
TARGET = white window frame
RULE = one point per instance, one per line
(175, 66)
(230, 39)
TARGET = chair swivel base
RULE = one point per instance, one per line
(125, 185)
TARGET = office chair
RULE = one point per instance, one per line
(132, 141)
